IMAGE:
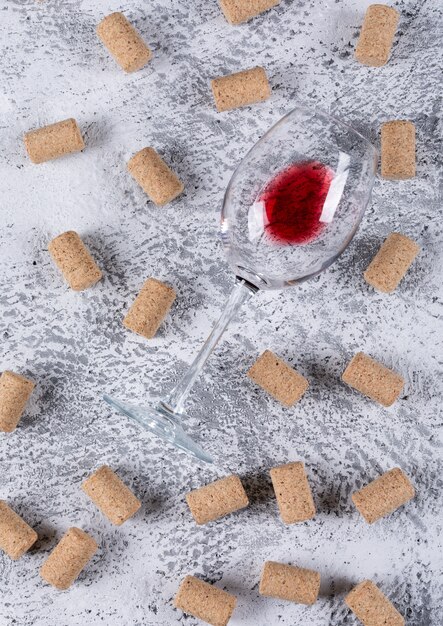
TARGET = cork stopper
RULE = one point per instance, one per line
(373, 379)
(240, 89)
(204, 601)
(238, 11)
(372, 607)
(156, 179)
(72, 258)
(391, 262)
(150, 308)
(53, 141)
(277, 378)
(69, 557)
(398, 150)
(16, 536)
(287, 582)
(217, 499)
(15, 391)
(377, 34)
(123, 42)
(111, 495)
(293, 493)
(384, 495)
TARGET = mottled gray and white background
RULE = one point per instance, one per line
(75, 347)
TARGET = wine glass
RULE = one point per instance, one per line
(291, 208)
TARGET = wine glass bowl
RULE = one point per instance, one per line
(320, 151)
(291, 208)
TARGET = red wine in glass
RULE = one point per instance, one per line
(293, 203)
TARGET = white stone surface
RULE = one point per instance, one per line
(75, 347)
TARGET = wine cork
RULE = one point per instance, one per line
(150, 308)
(240, 89)
(111, 495)
(391, 262)
(373, 379)
(16, 536)
(377, 34)
(398, 150)
(204, 601)
(217, 499)
(383, 495)
(287, 582)
(238, 11)
(372, 607)
(53, 141)
(72, 258)
(293, 493)
(156, 179)
(123, 42)
(277, 378)
(15, 391)
(69, 557)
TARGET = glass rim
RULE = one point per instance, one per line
(300, 107)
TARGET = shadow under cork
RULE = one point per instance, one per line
(258, 487)
(331, 587)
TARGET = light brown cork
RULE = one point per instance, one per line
(204, 601)
(238, 11)
(156, 179)
(53, 141)
(217, 499)
(287, 582)
(123, 42)
(15, 391)
(373, 379)
(69, 557)
(16, 536)
(111, 495)
(277, 378)
(240, 89)
(293, 493)
(383, 495)
(391, 262)
(150, 308)
(372, 607)
(377, 34)
(72, 258)
(398, 150)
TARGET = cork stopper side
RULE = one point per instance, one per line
(16, 536)
(391, 262)
(238, 12)
(123, 42)
(217, 499)
(204, 601)
(72, 258)
(53, 141)
(156, 179)
(286, 582)
(276, 377)
(111, 495)
(150, 308)
(373, 379)
(372, 607)
(377, 34)
(398, 150)
(240, 89)
(15, 391)
(293, 493)
(69, 557)
(384, 495)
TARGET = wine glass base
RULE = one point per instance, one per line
(164, 424)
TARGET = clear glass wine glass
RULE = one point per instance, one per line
(291, 208)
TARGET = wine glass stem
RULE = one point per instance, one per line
(240, 294)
